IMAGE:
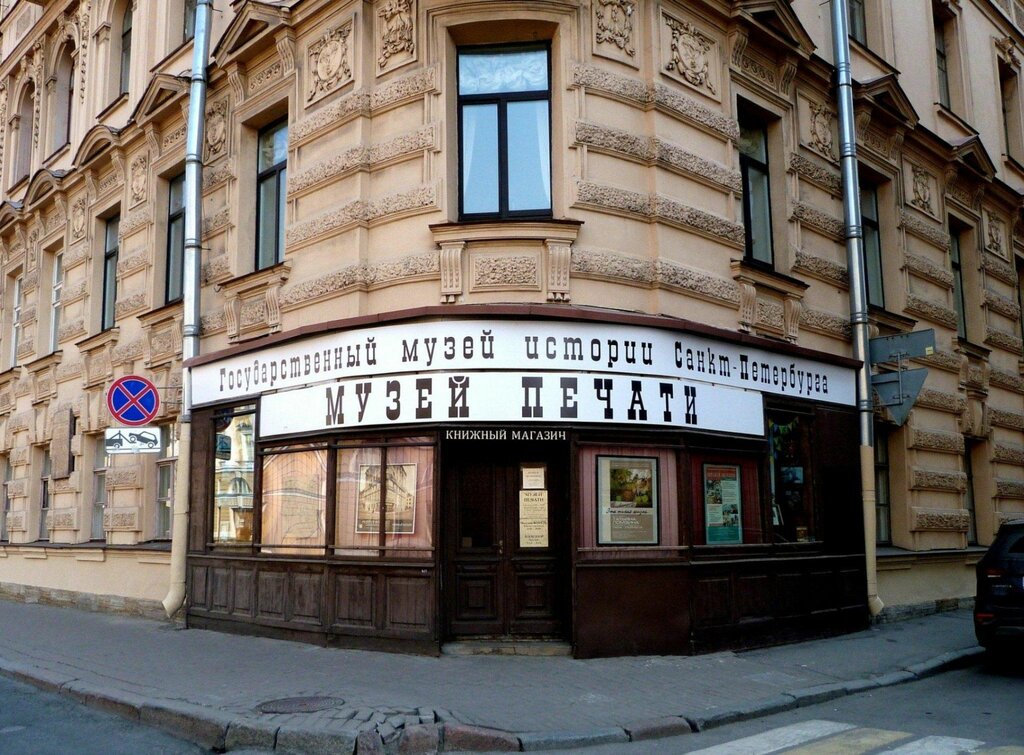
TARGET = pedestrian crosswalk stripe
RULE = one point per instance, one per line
(853, 740)
(937, 746)
(820, 737)
(777, 740)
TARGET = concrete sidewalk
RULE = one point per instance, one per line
(231, 692)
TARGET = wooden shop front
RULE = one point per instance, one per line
(624, 484)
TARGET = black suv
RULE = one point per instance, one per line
(999, 605)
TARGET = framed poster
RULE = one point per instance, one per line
(722, 514)
(399, 504)
(627, 500)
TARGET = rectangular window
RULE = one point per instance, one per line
(956, 231)
(44, 498)
(872, 245)
(293, 510)
(57, 281)
(757, 206)
(627, 500)
(110, 252)
(5, 498)
(271, 184)
(503, 92)
(189, 21)
(858, 21)
(175, 269)
(970, 448)
(125, 78)
(16, 303)
(883, 508)
(385, 501)
(1010, 104)
(100, 463)
(794, 515)
(234, 464)
(942, 62)
(165, 468)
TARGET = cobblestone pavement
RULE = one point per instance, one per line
(220, 690)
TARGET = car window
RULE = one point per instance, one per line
(1015, 543)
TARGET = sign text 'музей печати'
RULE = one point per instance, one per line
(637, 365)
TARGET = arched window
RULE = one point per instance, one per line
(126, 49)
(23, 153)
(61, 99)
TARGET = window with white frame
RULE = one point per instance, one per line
(16, 305)
(100, 461)
(56, 294)
(504, 102)
(165, 470)
(44, 497)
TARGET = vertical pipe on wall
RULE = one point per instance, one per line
(858, 288)
(190, 294)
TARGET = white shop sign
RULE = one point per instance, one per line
(511, 398)
(537, 345)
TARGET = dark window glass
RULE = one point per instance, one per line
(110, 251)
(941, 62)
(505, 132)
(794, 517)
(883, 507)
(858, 21)
(175, 239)
(872, 245)
(969, 498)
(126, 49)
(190, 20)
(44, 498)
(271, 181)
(757, 216)
(958, 279)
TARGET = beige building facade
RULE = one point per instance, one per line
(554, 255)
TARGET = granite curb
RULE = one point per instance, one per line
(221, 731)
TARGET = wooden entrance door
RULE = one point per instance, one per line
(501, 578)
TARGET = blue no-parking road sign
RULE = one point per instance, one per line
(133, 400)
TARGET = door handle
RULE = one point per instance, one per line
(501, 547)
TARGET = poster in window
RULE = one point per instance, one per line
(533, 519)
(399, 504)
(722, 514)
(627, 500)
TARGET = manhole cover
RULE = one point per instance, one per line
(299, 704)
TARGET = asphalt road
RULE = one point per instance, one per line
(43, 723)
(980, 704)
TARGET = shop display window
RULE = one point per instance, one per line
(793, 516)
(385, 501)
(234, 464)
(293, 507)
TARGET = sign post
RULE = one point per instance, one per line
(898, 390)
(133, 400)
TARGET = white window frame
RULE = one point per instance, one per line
(56, 295)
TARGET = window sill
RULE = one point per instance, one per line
(120, 99)
(1014, 165)
(946, 114)
(56, 154)
(505, 230)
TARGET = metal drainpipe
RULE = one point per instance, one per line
(858, 288)
(190, 294)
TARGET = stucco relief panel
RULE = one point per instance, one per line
(394, 34)
(216, 130)
(690, 56)
(817, 128)
(329, 62)
(615, 30)
(490, 271)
